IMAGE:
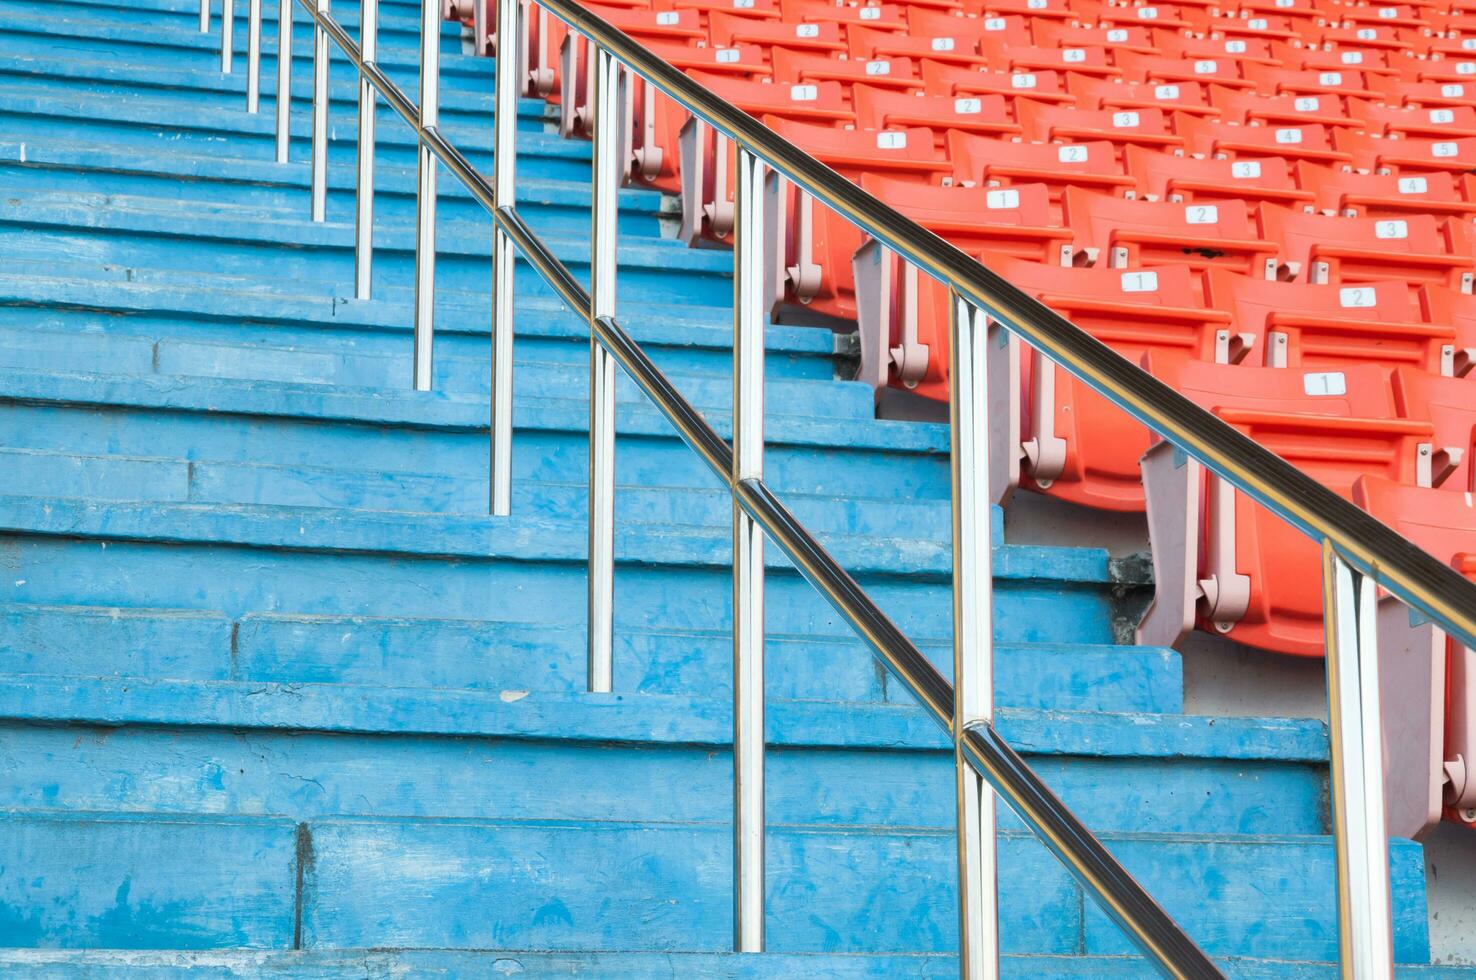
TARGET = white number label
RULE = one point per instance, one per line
(1469, 44)
(1325, 383)
(804, 93)
(1257, 23)
(1140, 282)
(994, 23)
(1022, 81)
(891, 141)
(1206, 67)
(998, 200)
(870, 13)
(1035, 4)
(1466, 68)
(742, 4)
(806, 30)
(1391, 229)
(1202, 214)
(1442, 117)
(1125, 120)
(1366, 34)
(1388, 13)
(1413, 185)
(1235, 47)
(968, 107)
(1166, 92)
(1147, 13)
(1453, 90)
(1117, 35)
(1352, 58)
(1444, 150)
(942, 44)
(1072, 55)
(725, 56)
(1245, 169)
(1330, 78)
(1283, 4)
(1306, 103)
(1071, 154)
(666, 18)
(1288, 136)
(878, 68)
(1356, 297)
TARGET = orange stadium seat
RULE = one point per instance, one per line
(1432, 742)
(889, 109)
(1038, 86)
(1308, 326)
(1225, 563)
(707, 162)
(1164, 177)
(1120, 127)
(1319, 248)
(1448, 404)
(979, 160)
(1386, 195)
(1124, 233)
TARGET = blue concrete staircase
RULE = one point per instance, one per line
(277, 698)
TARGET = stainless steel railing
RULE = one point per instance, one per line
(1359, 552)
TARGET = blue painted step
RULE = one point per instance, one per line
(46, 112)
(239, 240)
(428, 434)
(152, 306)
(328, 364)
(186, 644)
(82, 553)
(668, 750)
(323, 964)
(157, 172)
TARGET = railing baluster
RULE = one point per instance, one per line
(605, 193)
(285, 10)
(748, 558)
(364, 182)
(1355, 729)
(204, 16)
(253, 56)
(425, 194)
(227, 38)
(973, 637)
(504, 191)
(319, 189)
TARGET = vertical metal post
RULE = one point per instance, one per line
(227, 35)
(425, 194)
(364, 183)
(504, 194)
(253, 56)
(748, 558)
(285, 9)
(605, 192)
(204, 16)
(320, 118)
(1355, 727)
(973, 637)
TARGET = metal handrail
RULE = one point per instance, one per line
(1424, 583)
(1359, 552)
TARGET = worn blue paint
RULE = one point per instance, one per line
(269, 675)
(454, 654)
